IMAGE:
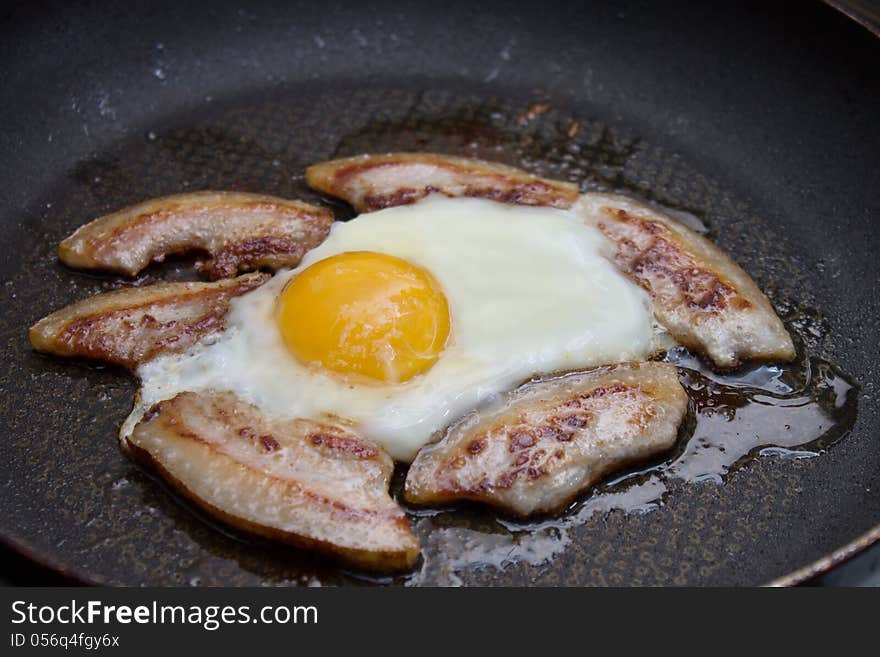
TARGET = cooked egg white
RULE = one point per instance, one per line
(528, 292)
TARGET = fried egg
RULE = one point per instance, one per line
(407, 318)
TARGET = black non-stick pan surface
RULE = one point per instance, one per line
(759, 119)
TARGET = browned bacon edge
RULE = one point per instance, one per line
(703, 298)
(239, 231)
(132, 325)
(373, 182)
(539, 447)
(256, 474)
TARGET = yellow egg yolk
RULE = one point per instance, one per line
(365, 314)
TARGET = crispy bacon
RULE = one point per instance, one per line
(373, 182)
(539, 447)
(319, 486)
(240, 232)
(132, 325)
(306, 483)
(705, 300)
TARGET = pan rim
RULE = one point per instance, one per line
(857, 15)
(797, 576)
(828, 562)
(801, 575)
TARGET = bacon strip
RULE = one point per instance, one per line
(240, 232)
(539, 447)
(705, 300)
(373, 182)
(313, 485)
(132, 325)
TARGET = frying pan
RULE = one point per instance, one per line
(759, 119)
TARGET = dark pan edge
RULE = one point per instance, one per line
(866, 16)
(824, 565)
(870, 20)
(70, 576)
(797, 577)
